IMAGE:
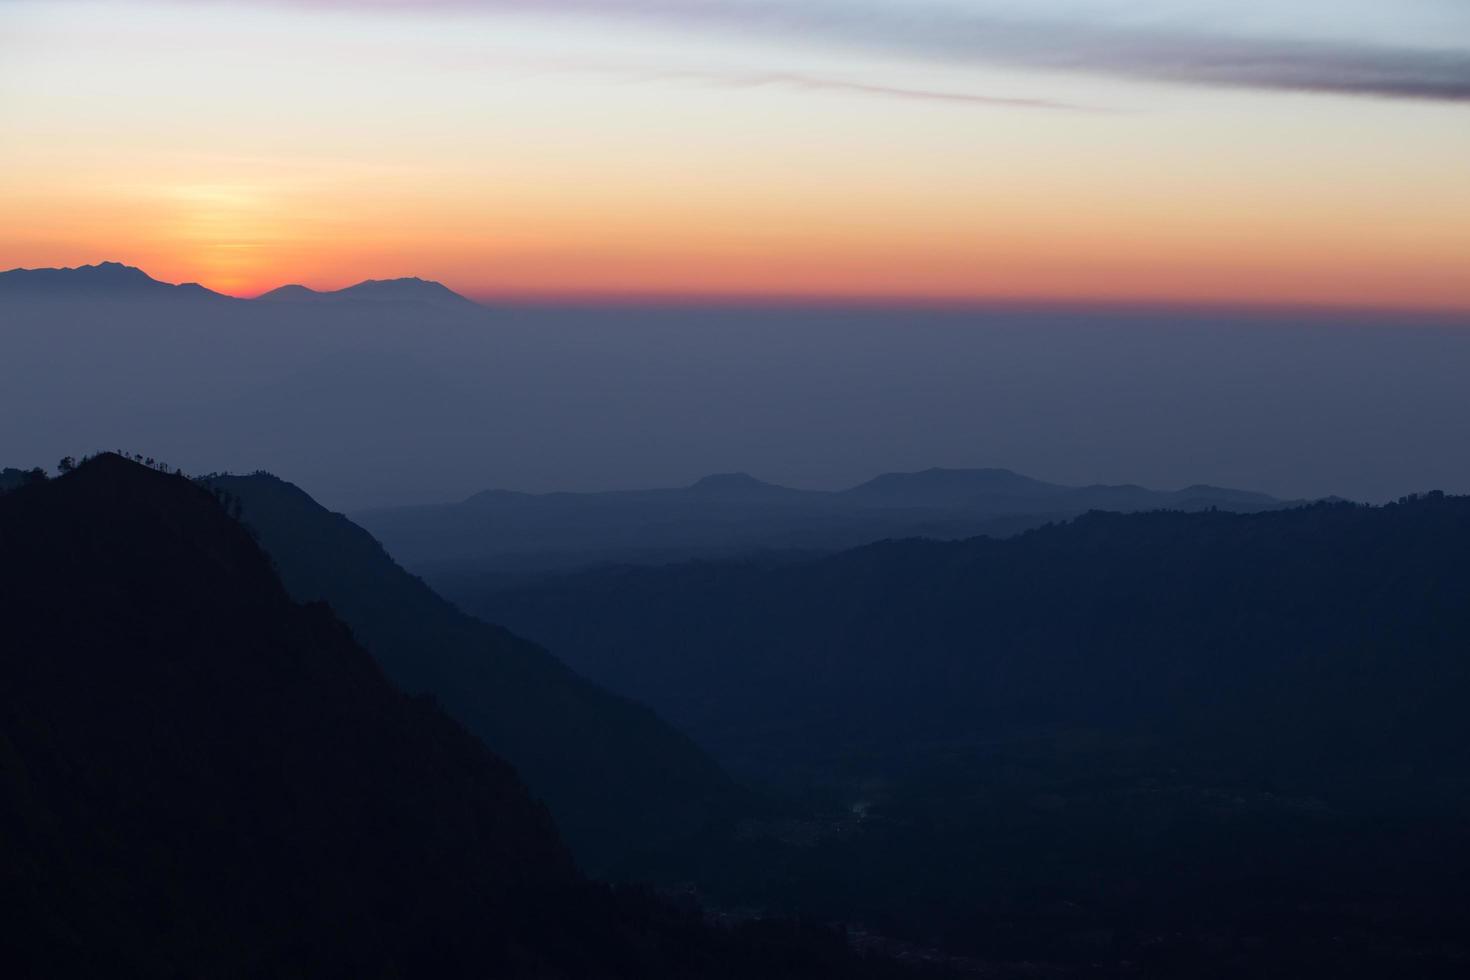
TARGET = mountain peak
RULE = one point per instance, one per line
(411, 289)
(738, 486)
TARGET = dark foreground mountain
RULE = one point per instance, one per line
(731, 514)
(199, 777)
(1203, 744)
(619, 781)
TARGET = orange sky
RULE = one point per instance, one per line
(245, 148)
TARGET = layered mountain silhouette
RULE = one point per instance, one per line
(1158, 744)
(620, 782)
(374, 404)
(202, 777)
(114, 280)
(729, 514)
(1212, 620)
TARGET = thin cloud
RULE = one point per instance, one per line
(811, 83)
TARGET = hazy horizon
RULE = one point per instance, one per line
(374, 404)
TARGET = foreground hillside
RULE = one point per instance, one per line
(619, 781)
(199, 777)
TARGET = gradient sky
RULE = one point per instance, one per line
(1292, 151)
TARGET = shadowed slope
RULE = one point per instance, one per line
(199, 777)
(618, 779)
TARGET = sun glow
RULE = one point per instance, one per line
(243, 147)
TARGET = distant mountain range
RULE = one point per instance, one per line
(113, 280)
(373, 404)
(727, 514)
(1225, 621)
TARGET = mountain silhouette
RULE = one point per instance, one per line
(201, 777)
(619, 781)
(724, 515)
(408, 290)
(114, 280)
(1179, 619)
(1156, 744)
(106, 280)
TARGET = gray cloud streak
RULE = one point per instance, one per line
(954, 35)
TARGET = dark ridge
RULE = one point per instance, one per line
(104, 280)
(1161, 744)
(620, 782)
(200, 777)
(1168, 617)
(201, 774)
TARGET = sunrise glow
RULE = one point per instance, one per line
(568, 154)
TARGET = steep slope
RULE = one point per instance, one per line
(199, 777)
(619, 781)
(202, 777)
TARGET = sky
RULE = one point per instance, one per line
(1286, 152)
